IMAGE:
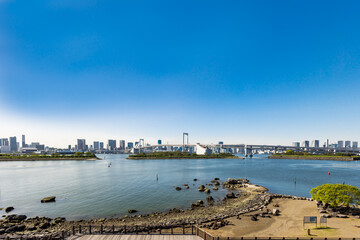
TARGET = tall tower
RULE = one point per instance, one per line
(23, 143)
(185, 140)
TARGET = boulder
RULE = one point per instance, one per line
(201, 188)
(59, 220)
(254, 218)
(217, 179)
(44, 225)
(215, 188)
(275, 212)
(230, 195)
(200, 202)
(207, 190)
(195, 179)
(31, 228)
(216, 183)
(209, 198)
(178, 188)
(2, 231)
(9, 209)
(132, 211)
(187, 187)
(15, 217)
(16, 228)
(48, 199)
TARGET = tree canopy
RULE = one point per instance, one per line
(336, 194)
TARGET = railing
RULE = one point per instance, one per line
(170, 230)
(132, 230)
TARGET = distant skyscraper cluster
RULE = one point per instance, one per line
(11, 145)
(341, 145)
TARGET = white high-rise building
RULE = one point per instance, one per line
(340, 144)
(354, 144)
(347, 144)
(296, 144)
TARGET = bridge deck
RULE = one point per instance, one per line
(135, 237)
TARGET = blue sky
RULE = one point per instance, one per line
(239, 71)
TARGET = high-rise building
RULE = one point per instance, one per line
(221, 143)
(111, 145)
(4, 142)
(101, 145)
(130, 145)
(13, 144)
(69, 147)
(347, 144)
(306, 144)
(81, 145)
(296, 144)
(340, 144)
(159, 142)
(136, 144)
(354, 145)
(315, 143)
(122, 145)
(23, 143)
(96, 145)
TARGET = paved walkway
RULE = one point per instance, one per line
(134, 237)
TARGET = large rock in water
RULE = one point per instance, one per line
(201, 188)
(48, 199)
(132, 211)
(9, 209)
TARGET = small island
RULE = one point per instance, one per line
(47, 157)
(289, 154)
(181, 155)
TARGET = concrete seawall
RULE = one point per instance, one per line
(334, 158)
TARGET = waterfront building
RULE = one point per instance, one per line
(111, 145)
(5, 149)
(340, 144)
(130, 145)
(96, 145)
(69, 147)
(201, 150)
(315, 143)
(296, 144)
(347, 144)
(159, 142)
(4, 142)
(13, 144)
(23, 143)
(221, 143)
(136, 144)
(101, 145)
(122, 145)
(81, 145)
(306, 144)
(354, 145)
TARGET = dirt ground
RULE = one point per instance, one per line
(289, 223)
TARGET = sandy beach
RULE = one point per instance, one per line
(289, 223)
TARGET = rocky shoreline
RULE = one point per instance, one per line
(242, 198)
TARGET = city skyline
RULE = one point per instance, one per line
(243, 72)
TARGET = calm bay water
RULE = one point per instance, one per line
(90, 189)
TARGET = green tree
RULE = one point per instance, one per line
(78, 154)
(336, 194)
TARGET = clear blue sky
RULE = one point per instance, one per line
(239, 71)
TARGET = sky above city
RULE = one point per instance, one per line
(255, 72)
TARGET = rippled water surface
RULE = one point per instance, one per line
(89, 189)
